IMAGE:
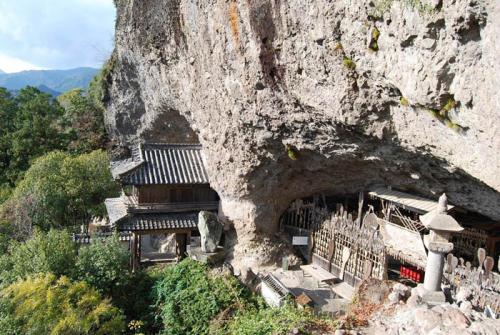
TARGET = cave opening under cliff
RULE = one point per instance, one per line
(170, 126)
(399, 211)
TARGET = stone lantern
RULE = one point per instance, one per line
(441, 226)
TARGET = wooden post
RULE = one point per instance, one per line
(361, 200)
(181, 239)
(139, 250)
(136, 258)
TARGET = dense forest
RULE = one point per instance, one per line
(54, 177)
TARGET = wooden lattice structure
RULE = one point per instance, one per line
(301, 219)
(338, 243)
(349, 250)
(303, 215)
(468, 241)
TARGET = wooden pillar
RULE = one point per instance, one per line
(181, 242)
(139, 250)
(136, 251)
(188, 238)
(361, 199)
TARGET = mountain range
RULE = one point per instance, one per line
(53, 82)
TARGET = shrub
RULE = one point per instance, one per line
(403, 101)
(268, 321)
(188, 296)
(53, 252)
(47, 305)
(104, 264)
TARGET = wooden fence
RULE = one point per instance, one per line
(348, 249)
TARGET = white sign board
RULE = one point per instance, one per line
(300, 240)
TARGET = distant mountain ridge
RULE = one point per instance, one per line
(50, 81)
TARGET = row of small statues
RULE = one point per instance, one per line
(480, 280)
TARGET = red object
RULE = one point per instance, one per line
(411, 272)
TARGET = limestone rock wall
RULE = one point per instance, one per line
(251, 79)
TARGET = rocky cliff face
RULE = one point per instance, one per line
(361, 93)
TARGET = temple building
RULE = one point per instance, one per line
(164, 187)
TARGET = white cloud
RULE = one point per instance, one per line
(57, 33)
(12, 64)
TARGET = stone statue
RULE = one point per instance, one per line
(210, 230)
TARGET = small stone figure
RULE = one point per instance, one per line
(210, 230)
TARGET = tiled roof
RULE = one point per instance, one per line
(118, 168)
(166, 164)
(123, 236)
(162, 221)
(407, 201)
(117, 209)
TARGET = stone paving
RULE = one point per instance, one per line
(325, 300)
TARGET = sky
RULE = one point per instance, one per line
(55, 34)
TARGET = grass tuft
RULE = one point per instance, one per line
(349, 63)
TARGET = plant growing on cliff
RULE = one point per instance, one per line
(403, 101)
(98, 90)
(450, 104)
(349, 63)
(443, 115)
(383, 6)
(292, 153)
(374, 39)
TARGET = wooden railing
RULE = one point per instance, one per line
(173, 207)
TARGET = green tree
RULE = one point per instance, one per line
(53, 252)
(7, 113)
(48, 305)
(35, 130)
(84, 120)
(65, 189)
(104, 265)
